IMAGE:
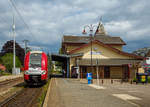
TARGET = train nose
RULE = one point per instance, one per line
(35, 78)
(26, 77)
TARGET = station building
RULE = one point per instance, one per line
(108, 58)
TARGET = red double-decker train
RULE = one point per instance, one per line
(35, 68)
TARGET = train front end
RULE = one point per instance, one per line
(35, 66)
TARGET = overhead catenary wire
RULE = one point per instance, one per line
(16, 9)
(28, 28)
(4, 21)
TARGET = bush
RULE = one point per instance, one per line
(4, 73)
(1, 72)
(7, 61)
(134, 80)
(148, 79)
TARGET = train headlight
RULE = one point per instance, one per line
(43, 72)
(26, 72)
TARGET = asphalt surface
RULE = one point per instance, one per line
(73, 93)
(140, 91)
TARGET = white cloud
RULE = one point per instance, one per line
(137, 34)
(138, 7)
(103, 4)
(49, 20)
(118, 26)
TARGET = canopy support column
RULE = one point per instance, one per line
(68, 67)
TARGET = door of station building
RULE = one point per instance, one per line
(126, 72)
(106, 72)
(83, 72)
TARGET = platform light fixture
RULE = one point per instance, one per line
(91, 28)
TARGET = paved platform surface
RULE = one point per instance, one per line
(3, 78)
(74, 93)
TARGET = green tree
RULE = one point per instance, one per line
(58, 63)
(8, 48)
(0, 60)
(60, 51)
(7, 61)
(50, 64)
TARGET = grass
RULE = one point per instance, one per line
(3, 73)
(56, 72)
(43, 94)
(148, 79)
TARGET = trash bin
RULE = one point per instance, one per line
(89, 78)
(142, 77)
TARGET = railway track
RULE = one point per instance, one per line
(9, 87)
(3, 83)
(27, 97)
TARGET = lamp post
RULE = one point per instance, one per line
(90, 27)
(14, 50)
(78, 72)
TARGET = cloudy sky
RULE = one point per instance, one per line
(49, 20)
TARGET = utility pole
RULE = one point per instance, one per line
(14, 50)
(78, 72)
(25, 45)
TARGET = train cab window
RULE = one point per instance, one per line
(35, 60)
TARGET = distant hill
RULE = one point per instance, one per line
(142, 52)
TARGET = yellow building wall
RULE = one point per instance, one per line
(133, 72)
(116, 72)
(105, 53)
(119, 47)
(141, 70)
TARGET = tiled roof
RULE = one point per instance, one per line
(106, 39)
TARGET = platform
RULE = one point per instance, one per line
(65, 92)
(3, 78)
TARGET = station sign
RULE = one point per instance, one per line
(95, 53)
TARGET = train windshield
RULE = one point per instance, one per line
(35, 60)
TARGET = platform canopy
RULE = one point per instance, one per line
(59, 57)
(63, 57)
